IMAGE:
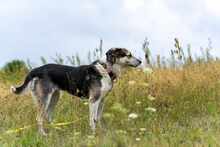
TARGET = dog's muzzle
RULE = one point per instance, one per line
(135, 62)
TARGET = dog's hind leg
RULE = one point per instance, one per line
(53, 101)
(37, 94)
(42, 92)
(99, 115)
(40, 120)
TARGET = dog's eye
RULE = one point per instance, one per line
(129, 55)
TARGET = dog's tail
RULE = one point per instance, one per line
(21, 89)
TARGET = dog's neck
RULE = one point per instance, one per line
(114, 70)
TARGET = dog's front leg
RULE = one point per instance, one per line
(93, 108)
(91, 116)
(100, 111)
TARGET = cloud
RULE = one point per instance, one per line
(31, 29)
(133, 5)
(213, 7)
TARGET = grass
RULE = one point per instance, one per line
(186, 101)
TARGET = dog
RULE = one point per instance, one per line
(93, 81)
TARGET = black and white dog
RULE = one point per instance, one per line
(92, 81)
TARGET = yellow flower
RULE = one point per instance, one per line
(131, 82)
(147, 70)
(108, 115)
(145, 84)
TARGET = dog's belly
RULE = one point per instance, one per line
(81, 94)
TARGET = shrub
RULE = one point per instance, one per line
(15, 66)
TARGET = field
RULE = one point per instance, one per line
(163, 107)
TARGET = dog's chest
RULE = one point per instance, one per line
(106, 82)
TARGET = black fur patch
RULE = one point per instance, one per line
(75, 80)
(115, 53)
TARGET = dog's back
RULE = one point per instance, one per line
(67, 78)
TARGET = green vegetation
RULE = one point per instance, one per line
(166, 106)
(14, 66)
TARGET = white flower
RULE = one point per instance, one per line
(138, 102)
(151, 98)
(85, 103)
(150, 109)
(137, 139)
(147, 70)
(132, 116)
(143, 129)
(131, 82)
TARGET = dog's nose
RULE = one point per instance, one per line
(139, 62)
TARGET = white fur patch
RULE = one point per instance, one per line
(106, 85)
(105, 81)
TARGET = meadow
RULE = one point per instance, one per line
(156, 106)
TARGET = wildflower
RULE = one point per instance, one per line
(139, 69)
(143, 129)
(76, 133)
(108, 115)
(131, 82)
(151, 98)
(132, 116)
(118, 107)
(85, 103)
(145, 84)
(147, 70)
(138, 102)
(121, 131)
(151, 109)
(91, 136)
(138, 139)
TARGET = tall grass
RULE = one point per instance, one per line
(186, 103)
(166, 106)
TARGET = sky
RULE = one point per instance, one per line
(30, 29)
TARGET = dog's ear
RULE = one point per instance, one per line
(110, 56)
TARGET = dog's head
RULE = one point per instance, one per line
(122, 57)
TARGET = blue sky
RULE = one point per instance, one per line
(30, 29)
